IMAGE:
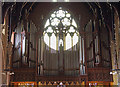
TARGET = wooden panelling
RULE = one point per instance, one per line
(23, 74)
(99, 74)
(62, 78)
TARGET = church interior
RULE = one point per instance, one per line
(60, 44)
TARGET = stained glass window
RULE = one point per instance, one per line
(60, 30)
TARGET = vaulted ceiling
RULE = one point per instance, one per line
(18, 9)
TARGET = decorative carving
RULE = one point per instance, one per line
(59, 83)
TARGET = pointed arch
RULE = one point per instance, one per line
(61, 24)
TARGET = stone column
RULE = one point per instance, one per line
(0, 45)
(9, 49)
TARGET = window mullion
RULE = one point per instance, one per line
(64, 41)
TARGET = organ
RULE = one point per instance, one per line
(64, 45)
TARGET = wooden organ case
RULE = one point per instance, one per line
(41, 55)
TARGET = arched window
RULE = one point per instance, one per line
(60, 30)
(61, 46)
